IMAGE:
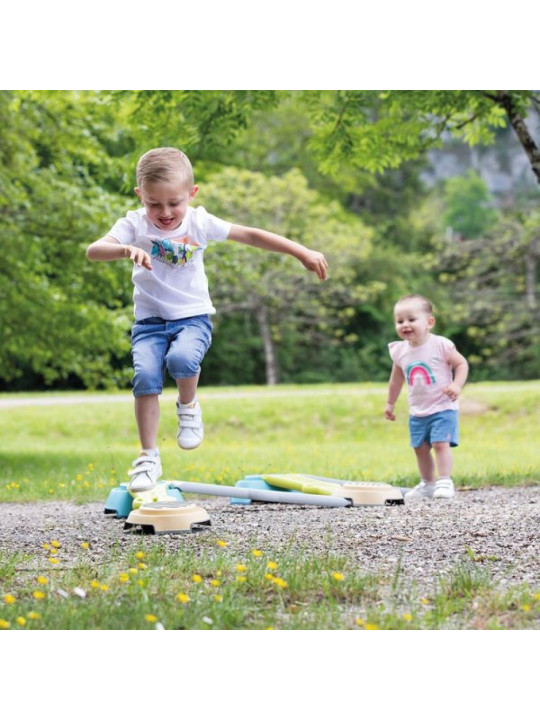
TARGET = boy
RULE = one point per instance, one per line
(425, 362)
(165, 240)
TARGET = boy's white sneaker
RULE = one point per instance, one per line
(190, 425)
(422, 490)
(444, 488)
(145, 473)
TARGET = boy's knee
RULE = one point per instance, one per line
(147, 382)
(182, 365)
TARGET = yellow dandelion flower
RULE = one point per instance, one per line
(141, 583)
(269, 576)
(240, 578)
(368, 626)
(133, 571)
(139, 555)
(222, 543)
(142, 566)
(33, 615)
(280, 582)
(10, 599)
(78, 477)
(21, 621)
(197, 578)
(104, 587)
(256, 553)
(42, 580)
(270, 627)
(46, 546)
(218, 598)
(53, 551)
(55, 543)
(183, 598)
(94, 583)
(424, 601)
(4, 624)
(407, 617)
(537, 596)
(150, 618)
(124, 577)
(338, 576)
(360, 622)
(38, 594)
(85, 545)
(526, 608)
(240, 568)
(271, 565)
(219, 573)
(54, 560)
(215, 583)
(90, 466)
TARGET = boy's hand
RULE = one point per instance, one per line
(139, 256)
(453, 390)
(389, 412)
(316, 262)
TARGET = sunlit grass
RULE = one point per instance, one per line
(79, 451)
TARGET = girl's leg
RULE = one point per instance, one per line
(187, 389)
(147, 416)
(443, 455)
(425, 462)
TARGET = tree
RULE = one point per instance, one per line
(469, 211)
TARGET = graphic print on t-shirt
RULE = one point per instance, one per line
(419, 371)
(176, 252)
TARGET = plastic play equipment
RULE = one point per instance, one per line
(121, 502)
(355, 493)
(167, 516)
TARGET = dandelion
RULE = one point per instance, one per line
(142, 566)
(424, 601)
(141, 583)
(526, 608)
(42, 580)
(4, 624)
(222, 543)
(124, 577)
(360, 622)
(78, 477)
(240, 578)
(269, 576)
(46, 546)
(139, 555)
(104, 587)
(183, 598)
(94, 584)
(10, 599)
(21, 621)
(368, 626)
(407, 617)
(218, 598)
(133, 571)
(215, 583)
(54, 560)
(240, 568)
(197, 579)
(53, 551)
(55, 543)
(271, 565)
(90, 466)
(38, 594)
(338, 576)
(33, 615)
(256, 553)
(150, 618)
(280, 582)
(85, 545)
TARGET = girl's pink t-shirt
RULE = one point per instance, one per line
(427, 372)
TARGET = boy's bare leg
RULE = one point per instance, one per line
(426, 466)
(443, 454)
(147, 415)
(187, 388)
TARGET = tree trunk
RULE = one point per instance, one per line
(504, 99)
(270, 357)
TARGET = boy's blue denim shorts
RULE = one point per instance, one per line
(176, 345)
(439, 427)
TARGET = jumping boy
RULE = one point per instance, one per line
(165, 240)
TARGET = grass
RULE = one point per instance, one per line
(77, 452)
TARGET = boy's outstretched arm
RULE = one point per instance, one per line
(394, 388)
(310, 259)
(108, 249)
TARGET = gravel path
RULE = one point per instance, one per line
(427, 538)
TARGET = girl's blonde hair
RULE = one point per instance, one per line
(164, 165)
(427, 305)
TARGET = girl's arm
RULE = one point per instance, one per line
(461, 371)
(310, 259)
(108, 248)
(397, 378)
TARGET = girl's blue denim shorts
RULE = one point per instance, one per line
(439, 427)
(177, 346)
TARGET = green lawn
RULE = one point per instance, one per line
(79, 451)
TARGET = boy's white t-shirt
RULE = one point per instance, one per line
(427, 372)
(177, 286)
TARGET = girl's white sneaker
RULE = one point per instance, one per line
(190, 425)
(145, 473)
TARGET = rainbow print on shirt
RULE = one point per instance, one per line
(176, 252)
(422, 370)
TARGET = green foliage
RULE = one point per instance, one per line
(469, 205)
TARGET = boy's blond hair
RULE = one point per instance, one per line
(164, 165)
